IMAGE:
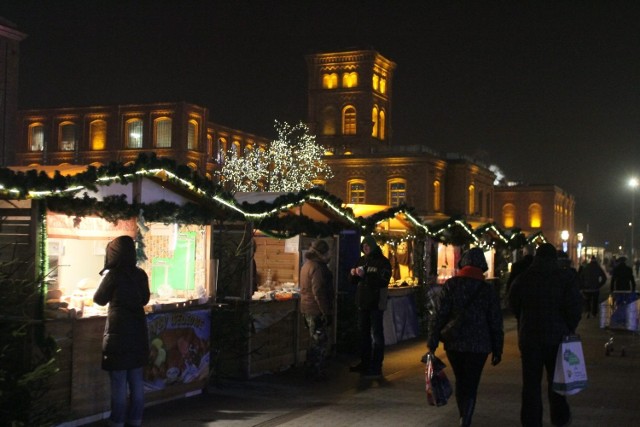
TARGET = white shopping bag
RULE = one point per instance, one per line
(570, 376)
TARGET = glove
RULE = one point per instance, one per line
(495, 359)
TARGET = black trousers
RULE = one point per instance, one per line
(591, 301)
(370, 323)
(534, 360)
(467, 368)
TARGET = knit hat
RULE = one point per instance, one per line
(546, 250)
(474, 257)
(320, 246)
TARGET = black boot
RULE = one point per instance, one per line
(469, 407)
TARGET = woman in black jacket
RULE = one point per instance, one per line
(480, 333)
(125, 345)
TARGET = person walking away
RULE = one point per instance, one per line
(592, 278)
(125, 344)
(547, 304)
(622, 288)
(636, 265)
(520, 265)
(316, 305)
(371, 274)
(481, 333)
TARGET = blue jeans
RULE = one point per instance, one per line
(126, 406)
(371, 339)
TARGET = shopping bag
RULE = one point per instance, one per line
(438, 387)
(570, 375)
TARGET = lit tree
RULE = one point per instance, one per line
(289, 164)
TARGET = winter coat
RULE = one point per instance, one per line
(592, 277)
(482, 330)
(373, 288)
(547, 303)
(316, 286)
(622, 279)
(125, 287)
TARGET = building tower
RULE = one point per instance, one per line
(9, 57)
(350, 100)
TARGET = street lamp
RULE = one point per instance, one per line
(564, 235)
(633, 183)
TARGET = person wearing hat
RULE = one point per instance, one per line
(480, 333)
(547, 304)
(371, 275)
(316, 305)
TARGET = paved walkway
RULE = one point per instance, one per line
(287, 399)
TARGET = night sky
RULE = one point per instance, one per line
(548, 92)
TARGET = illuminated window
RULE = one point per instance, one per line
(383, 85)
(222, 150)
(436, 196)
(349, 120)
(397, 192)
(508, 215)
(319, 184)
(535, 215)
(350, 79)
(162, 132)
(36, 137)
(330, 81)
(236, 148)
(192, 135)
(67, 136)
(472, 199)
(133, 133)
(357, 191)
(210, 147)
(248, 148)
(374, 120)
(329, 121)
(98, 134)
(381, 124)
(376, 81)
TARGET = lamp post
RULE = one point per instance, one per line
(633, 183)
(564, 235)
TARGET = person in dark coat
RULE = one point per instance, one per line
(316, 305)
(547, 304)
(481, 332)
(125, 344)
(521, 265)
(371, 274)
(622, 280)
(592, 278)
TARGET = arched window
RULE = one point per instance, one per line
(397, 192)
(349, 120)
(376, 82)
(67, 136)
(508, 215)
(436, 196)
(98, 134)
(535, 215)
(330, 81)
(472, 199)
(162, 132)
(210, 147)
(192, 135)
(350, 79)
(222, 150)
(36, 137)
(356, 190)
(383, 85)
(381, 124)
(374, 120)
(133, 133)
(236, 148)
(329, 121)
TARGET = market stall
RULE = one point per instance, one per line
(176, 257)
(257, 292)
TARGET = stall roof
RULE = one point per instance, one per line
(399, 222)
(65, 170)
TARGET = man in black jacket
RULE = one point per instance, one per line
(371, 274)
(547, 304)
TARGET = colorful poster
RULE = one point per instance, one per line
(179, 348)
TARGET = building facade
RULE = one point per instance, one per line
(10, 39)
